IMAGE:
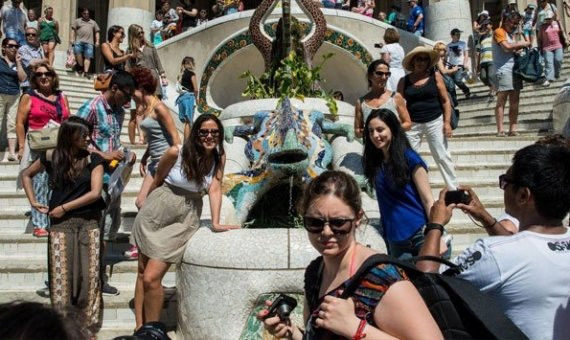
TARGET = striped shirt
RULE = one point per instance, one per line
(485, 48)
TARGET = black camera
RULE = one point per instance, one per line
(380, 45)
(283, 305)
(457, 196)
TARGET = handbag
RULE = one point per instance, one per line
(46, 138)
(70, 61)
(102, 81)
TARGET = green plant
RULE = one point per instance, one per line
(292, 78)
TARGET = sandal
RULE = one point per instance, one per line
(501, 134)
(513, 133)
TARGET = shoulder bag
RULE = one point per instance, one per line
(46, 138)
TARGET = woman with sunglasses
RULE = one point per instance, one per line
(42, 104)
(113, 56)
(332, 211)
(171, 212)
(429, 107)
(399, 176)
(11, 74)
(379, 97)
(76, 178)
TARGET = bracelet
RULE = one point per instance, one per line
(360, 330)
(62, 208)
(491, 225)
(431, 226)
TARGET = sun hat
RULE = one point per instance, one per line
(407, 62)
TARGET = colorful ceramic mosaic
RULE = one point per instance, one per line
(243, 39)
(282, 144)
(254, 328)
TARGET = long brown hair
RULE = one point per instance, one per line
(194, 161)
(65, 164)
(134, 38)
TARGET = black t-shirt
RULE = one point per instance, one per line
(188, 21)
(186, 80)
(82, 185)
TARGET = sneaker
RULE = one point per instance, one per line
(132, 253)
(39, 232)
(109, 290)
(546, 83)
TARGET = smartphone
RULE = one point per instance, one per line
(283, 305)
(457, 196)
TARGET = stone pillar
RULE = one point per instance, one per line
(127, 12)
(444, 15)
(64, 12)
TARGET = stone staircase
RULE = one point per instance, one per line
(479, 156)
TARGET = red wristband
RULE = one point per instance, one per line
(360, 330)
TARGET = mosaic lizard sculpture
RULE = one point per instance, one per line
(282, 143)
(273, 52)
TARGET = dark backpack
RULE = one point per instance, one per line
(460, 310)
(528, 66)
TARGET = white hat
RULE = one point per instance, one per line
(483, 12)
(512, 2)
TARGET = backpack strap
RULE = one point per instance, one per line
(49, 155)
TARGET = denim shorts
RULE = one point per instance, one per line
(83, 48)
(151, 167)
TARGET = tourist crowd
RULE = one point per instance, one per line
(411, 96)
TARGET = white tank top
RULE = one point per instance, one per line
(177, 178)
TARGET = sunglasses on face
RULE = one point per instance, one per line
(382, 74)
(205, 132)
(422, 59)
(12, 46)
(316, 225)
(43, 74)
(31, 34)
(128, 94)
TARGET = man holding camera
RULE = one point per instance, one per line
(457, 57)
(528, 272)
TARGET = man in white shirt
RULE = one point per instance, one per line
(457, 56)
(528, 273)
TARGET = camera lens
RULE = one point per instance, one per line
(284, 311)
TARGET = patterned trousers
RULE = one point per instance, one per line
(74, 265)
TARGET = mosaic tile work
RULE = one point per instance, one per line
(254, 328)
(243, 39)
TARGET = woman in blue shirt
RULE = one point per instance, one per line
(400, 178)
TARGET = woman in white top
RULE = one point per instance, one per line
(171, 213)
(393, 54)
(379, 97)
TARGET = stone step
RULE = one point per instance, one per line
(524, 126)
(476, 155)
(29, 272)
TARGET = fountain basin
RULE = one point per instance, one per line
(223, 274)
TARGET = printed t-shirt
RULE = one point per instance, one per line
(456, 51)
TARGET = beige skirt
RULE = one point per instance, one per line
(167, 220)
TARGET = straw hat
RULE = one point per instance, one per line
(407, 62)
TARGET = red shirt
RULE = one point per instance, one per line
(42, 110)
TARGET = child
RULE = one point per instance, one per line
(156, 28)
(203, 17)
(527, 23)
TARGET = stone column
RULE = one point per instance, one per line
(444, 15)
(64, 12)
(127, 12)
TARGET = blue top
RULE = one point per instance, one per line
(9, 83)
(401, 210)
(414, 14)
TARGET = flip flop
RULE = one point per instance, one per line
(513, 133)
(501, 134)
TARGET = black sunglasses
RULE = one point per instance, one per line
(31, 34)
(12, 46)
(316, 225)
(127, 94)
(382, 74)
(41, 74)
(422, 59)
(205, 132)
